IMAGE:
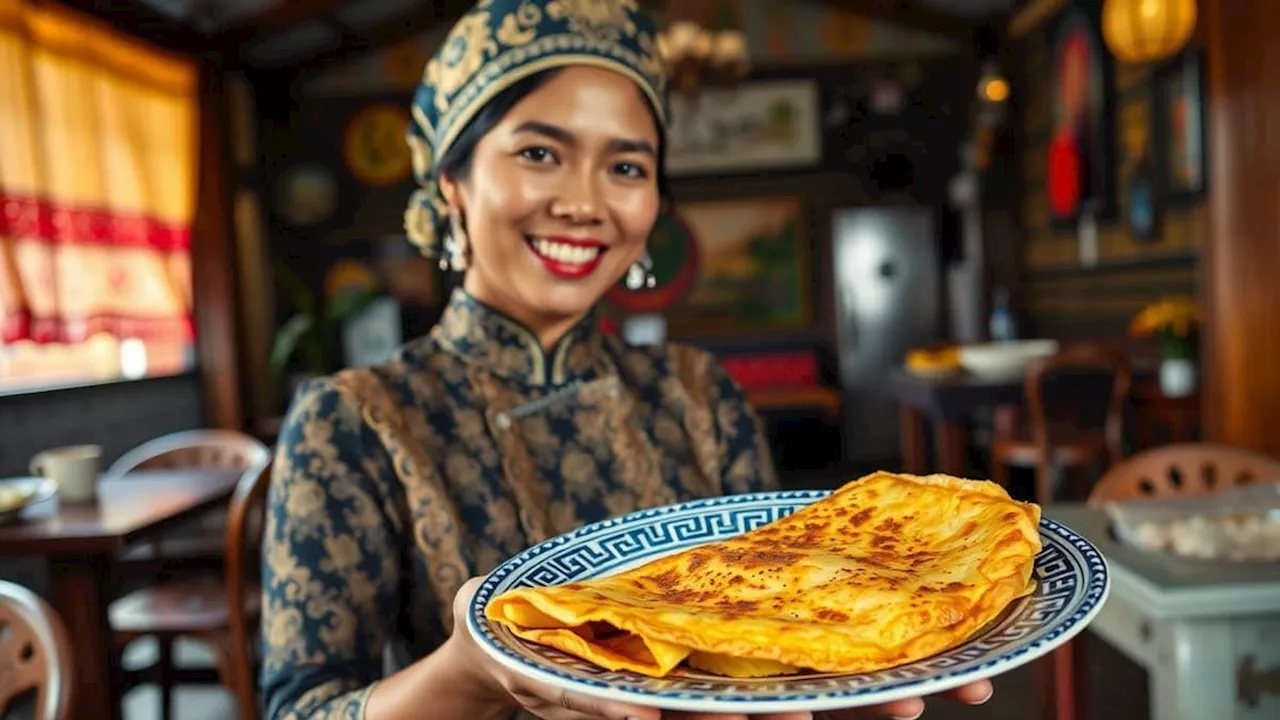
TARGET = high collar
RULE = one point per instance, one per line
(483, 335)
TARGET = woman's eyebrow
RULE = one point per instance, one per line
(559, 134)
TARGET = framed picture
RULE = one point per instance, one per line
(730, 267)
(759, 125)
(1178, 116)
(1081, 151)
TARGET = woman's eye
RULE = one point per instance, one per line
(538, 154)
(630, 170)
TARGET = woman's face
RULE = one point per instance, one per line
(561, 197)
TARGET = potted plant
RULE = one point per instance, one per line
(1175, 323)
(312, 335)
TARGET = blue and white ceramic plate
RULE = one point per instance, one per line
(1072, 576)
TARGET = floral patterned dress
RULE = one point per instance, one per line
(395, 484)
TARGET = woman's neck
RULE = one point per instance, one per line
(549, 330)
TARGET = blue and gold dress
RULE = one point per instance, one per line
(395, 484)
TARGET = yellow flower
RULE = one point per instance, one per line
(1178, 316)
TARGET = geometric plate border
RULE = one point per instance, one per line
(1072, 584)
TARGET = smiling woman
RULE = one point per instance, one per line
(538, 141)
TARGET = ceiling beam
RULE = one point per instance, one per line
(136, 19)
(274, 19)
(386, 33)
(909, 14)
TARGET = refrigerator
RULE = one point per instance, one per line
(887, 263)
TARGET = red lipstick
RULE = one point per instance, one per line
(568, 258)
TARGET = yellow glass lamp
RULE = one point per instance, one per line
(1139, 31)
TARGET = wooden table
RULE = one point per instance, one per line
(1208, 633)
(81, 542)
(948, 402)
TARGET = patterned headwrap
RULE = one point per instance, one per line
(500, 42)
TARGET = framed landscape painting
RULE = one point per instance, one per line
(752, 267)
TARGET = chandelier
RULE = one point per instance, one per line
(698, 58)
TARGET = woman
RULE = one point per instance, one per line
(538, 140)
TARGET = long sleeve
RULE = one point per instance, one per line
(747, 463)
(331, 561)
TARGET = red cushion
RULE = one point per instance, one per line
(773, 370)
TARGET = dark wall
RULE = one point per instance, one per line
(1062, 298)
(117, 416)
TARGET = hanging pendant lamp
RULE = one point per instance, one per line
(1140, 31)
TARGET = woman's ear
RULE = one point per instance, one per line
(451, 192)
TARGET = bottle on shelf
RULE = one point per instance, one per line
(1001, 325)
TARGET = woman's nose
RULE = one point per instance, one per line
(578, 201)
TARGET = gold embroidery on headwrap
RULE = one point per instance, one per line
(520, 27)
(463, 53)
(596, 19)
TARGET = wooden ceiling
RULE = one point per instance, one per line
(303, 34)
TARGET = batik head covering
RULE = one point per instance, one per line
(497, 44)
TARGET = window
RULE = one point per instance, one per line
(98, 152)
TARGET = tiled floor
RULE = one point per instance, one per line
(191, 702)
(1118, 690)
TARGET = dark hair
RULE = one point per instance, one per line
(456, 162)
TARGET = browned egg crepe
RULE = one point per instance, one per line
(887, 570)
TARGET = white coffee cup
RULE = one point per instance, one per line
(74, 469)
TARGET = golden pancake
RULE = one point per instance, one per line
(887, 570)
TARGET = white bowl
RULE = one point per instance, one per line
(1004, 359)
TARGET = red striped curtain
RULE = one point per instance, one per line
(98, 152)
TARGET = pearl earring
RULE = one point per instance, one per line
(456, 245)
(640, 275)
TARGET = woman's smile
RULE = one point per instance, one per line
(568, 258)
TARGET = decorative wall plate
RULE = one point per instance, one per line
(374, 145)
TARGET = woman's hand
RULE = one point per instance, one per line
(495, 681)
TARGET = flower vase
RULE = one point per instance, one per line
(1177, 377)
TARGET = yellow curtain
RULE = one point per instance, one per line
(98, 153)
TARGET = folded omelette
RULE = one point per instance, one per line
(887, 570)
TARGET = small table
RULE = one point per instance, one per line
(81, 542)
(952, 399)
(948, 401)
(1207, 632)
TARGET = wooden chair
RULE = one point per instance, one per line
(197, 546)
(35, 654)
(1054, 443)
(193, 449)
(218, 613)
(1186, 470)
(245, 525)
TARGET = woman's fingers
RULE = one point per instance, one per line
(555, 704)
(974, 693)
(675, 715)
(908, 709)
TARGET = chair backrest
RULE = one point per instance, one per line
(34, 653)
(211, 449)
(1183, 470)
(245, 524)
(1088, 358)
